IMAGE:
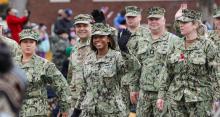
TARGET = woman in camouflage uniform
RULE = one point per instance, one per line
(189, 79)
(39, 72)
(102, 71)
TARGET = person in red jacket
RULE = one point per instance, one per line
(15, 24)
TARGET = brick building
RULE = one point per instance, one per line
(45, 11)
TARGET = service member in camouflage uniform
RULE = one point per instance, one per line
(151, 54)
(102, 71)
(189, 79)
(83, 29)
(39, 72)
(133, 19)
(214, 35)
(138, 32)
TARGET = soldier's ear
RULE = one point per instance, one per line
(195, 24)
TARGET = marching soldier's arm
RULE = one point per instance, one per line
(166, 77)
(140, 55)
(212, 69)
(70, 68)
(59, 84)
(70, 72)
(130, 61)
(165, 81)
(133, 69)
(82, 93)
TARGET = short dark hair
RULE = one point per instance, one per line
(8, 10)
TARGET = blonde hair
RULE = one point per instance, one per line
(201, 29)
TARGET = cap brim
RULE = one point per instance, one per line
(81, 22)
(131, 14)
(100, 33)
(215, 16)
(184, 19)
(28, 37)
(155, 16)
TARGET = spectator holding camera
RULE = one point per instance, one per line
(15, 24)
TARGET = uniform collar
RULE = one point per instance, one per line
(103, 59)
(161, 38)
(31, 63)
(81, 44)
(195, 45)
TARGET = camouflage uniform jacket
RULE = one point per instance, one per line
(14, 47)
(151, 54)
(213, 35)
(101, 87)
(140, 34)
(132, 45)
(41, 72)
(190, 72)
(76, 62)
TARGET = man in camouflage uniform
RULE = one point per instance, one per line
(39, 72)
(151, 53)
(83, 29)
(135, 32)
(189, 77)
(214, 35)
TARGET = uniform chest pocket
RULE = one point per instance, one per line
(162, 48)
(108, 70)
(33, 76)
(198, 64)
(198, 58)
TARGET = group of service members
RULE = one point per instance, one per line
(147, 66)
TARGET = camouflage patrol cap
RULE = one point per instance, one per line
(29, 34)
(132, 11)
(83, 18)
(155, 12)
(101, 29)
(189, 15)
(216, 13)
